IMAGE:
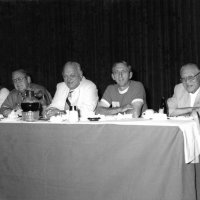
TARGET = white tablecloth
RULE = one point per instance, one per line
(189, 127)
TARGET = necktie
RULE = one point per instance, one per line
(69, 96)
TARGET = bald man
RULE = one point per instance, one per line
(76, 90)
(186, 97)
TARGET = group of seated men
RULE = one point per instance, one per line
(125, 96)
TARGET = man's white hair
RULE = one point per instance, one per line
(189, 65)
(75, 65)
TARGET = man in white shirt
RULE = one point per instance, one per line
(186, 97)
(126, 96)
(76, 90)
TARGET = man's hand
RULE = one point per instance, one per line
(196, 109)
(126, 107)
(134, 109)
(17, 110)
(6, 112)
(49, 112)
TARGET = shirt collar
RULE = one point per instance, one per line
(77, 88)
(123, 91)
(194, 94)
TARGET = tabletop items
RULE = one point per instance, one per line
(30, 107)
(30, 112)
(163, 106)
(150, 114)
(73, 114)
(73, 117)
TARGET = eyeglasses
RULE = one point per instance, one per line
(115, 73)
(20, 79)
(189, 78)
(71, 76)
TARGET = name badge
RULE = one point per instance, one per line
(115, 104)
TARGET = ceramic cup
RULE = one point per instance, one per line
(148, 113)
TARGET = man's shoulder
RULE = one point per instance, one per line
(36, 86)
(136, 83)
(132, 84)
(86, 82)
(61, 84)
(179, 90)
(112, 87)
(136, 87)
(13, 92)
(4, 90)
(179, 87)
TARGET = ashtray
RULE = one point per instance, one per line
(94, 118)
(43, 119)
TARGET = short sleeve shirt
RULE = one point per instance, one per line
(115, 99)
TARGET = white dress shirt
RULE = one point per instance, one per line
(193, 97)
(85, 96)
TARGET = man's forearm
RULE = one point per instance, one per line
(108, 111)
(135, 112)
(181, 111)
(51, 111)
(5, 111)
(136, 109)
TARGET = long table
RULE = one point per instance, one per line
(94, 161)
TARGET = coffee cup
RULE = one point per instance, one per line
(147, 114)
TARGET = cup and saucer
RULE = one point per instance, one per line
(148, 114)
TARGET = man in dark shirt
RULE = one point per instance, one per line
(22, 82)
(125, 95)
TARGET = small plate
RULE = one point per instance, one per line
(43, 119)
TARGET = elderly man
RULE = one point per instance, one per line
(22, 82)
(126, 96)
(76, 90)
(186, 97)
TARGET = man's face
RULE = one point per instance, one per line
(121, 75)
(71, 77)
(20, 81)
(190, 79)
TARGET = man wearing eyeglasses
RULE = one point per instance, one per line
(186, 97)
(22, 82)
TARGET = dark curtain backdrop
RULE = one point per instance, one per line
(154, 36)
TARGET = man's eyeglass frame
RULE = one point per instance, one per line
(189, 78)
(20, 79)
